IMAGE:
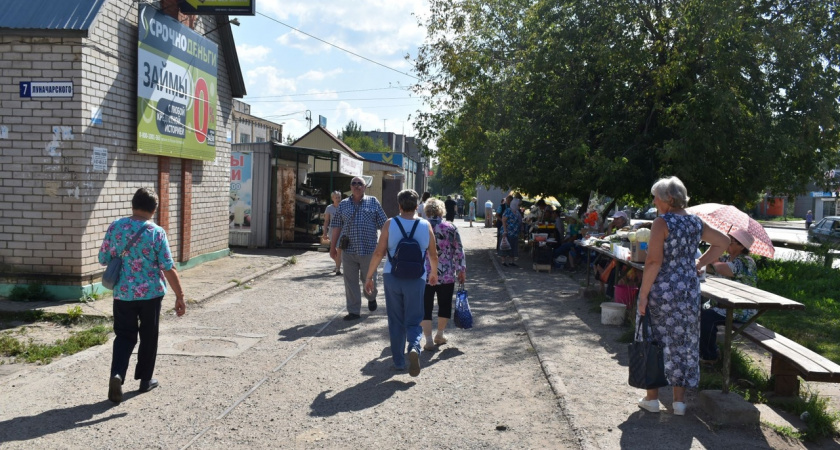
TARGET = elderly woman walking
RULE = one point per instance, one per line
(452, 265)
(403, 291)
(147, 265)
(670, 291)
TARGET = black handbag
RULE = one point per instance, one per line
(647, 361)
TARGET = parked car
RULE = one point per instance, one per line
(826, 230)
(650, 214)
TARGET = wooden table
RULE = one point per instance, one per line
(731, 295)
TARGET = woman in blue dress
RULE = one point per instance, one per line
(670, 291)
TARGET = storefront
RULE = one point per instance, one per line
(277, 198)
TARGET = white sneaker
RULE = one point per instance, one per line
(650, 405)
(679, 408)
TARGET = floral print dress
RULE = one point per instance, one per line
(674, 301)
(450, 252)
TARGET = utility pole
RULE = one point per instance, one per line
(384, 128)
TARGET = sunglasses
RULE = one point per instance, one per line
(356, 183)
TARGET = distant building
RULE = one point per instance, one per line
(414, 163)
(247, 128)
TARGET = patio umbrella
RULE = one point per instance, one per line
(727, 217)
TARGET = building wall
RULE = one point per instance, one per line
(59, 206)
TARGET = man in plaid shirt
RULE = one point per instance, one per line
(359, 217)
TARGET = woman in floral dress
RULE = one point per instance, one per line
(670, 291)
(452, 265)
(511, 224)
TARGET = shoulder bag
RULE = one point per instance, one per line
(647, 362)
(112, 273)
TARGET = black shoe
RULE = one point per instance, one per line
(371, 305)
(513, 264)
(148, 385)
(338, 272)
(352, 316)
(505, 264)
(115, 389)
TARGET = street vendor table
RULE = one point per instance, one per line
(729, 295)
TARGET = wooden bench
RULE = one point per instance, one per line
(791, 361)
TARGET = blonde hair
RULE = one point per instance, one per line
(672, 191)
(434, 208)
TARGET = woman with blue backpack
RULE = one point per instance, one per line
(406, 241)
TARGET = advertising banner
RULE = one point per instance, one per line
(240, 190)
(176, 89)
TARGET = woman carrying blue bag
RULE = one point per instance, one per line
(452, 265)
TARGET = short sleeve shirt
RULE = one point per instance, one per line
(744, 271)
(360, 222)
(142, 276)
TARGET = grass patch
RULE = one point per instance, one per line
(813, 410)
(818, 288)
(44, 353)
(30, 293)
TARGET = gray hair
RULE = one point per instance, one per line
(672, 191)
(407, 200)
(434, 208)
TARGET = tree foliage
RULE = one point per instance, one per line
(354, 137)
(735, 97)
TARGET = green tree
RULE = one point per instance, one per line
(365, 144)
(353, 129)
(735, 97)
(444, 183)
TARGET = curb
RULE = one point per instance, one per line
(248, 279)
(548, 366)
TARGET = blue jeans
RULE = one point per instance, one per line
(404, 303)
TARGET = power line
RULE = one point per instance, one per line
(336, 46)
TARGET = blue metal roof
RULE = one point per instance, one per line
(59, 15)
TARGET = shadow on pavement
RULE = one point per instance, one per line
(55, 421)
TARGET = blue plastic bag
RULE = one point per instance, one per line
(463, 316)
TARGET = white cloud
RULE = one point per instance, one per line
(372, 28)
(345, 113)
(269, 79)
(322, 95)
(252, 53)
(319, 75)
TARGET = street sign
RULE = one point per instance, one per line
(46, 89)
(211, 7)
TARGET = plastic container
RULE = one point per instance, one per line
(625, 294)
(612, 313)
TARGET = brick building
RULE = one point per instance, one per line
(70, 158)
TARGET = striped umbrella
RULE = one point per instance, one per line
(727, 217)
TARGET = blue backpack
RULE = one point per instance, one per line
(409, 260)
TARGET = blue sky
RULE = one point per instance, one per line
(287, 73)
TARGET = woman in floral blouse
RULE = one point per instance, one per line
(738, 265)
(452, 265)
